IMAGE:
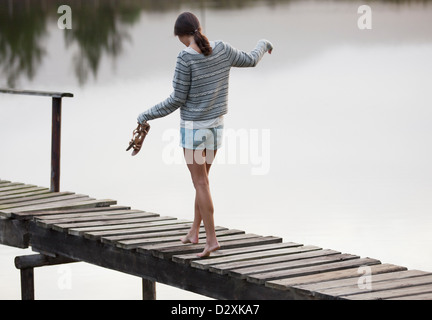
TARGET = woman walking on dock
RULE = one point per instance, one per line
(201, 93)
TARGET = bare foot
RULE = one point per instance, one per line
(190, 239)
(208, 249)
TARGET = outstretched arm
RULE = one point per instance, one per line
(240, 58)
(181, 84)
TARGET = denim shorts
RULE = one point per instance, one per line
(200, 139)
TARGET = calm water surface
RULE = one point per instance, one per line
(329, 137)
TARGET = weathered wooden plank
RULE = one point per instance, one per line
(131, 244)
(25, 198)
(354, 280)
(157, 234)
(91, 213)
(176, 245)
(4, 181)
(297, 253)
(9, 184)
(90, 232)
(222, 251)
(206, 263)
(28, 210)
(287, 283)
(165, 236)
(261, 278)
(303, 253)
(64, 227)
(116, 234)
(44, 200)
(275, 270)
(188, 258)
(386, 294)
(114, 215)
(23, 191)
(16, 187)
(375, 286)
(419, 296)
(225, 244)
(41, 191)
(25, 213)
(56, 213)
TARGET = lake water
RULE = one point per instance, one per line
(328, 139)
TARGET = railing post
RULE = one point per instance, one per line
(55, 144)
(55, 131)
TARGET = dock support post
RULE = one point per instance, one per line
(55, 144)
(27, 284)
(148, 289)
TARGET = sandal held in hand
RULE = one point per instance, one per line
(138, 137)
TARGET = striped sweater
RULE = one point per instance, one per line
(201, 82)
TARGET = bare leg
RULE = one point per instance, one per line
(192, 236)
(203, 204)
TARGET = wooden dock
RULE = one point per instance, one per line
(66, 227)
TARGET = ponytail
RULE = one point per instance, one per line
(202, 42)
(188, 24)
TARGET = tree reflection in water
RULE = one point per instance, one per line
(22, 30)
(100, 28)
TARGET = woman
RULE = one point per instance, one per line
(201, 92)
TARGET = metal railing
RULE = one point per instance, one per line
(55, 131)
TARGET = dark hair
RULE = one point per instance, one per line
(188, 24)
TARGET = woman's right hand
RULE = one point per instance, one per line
(270, 47)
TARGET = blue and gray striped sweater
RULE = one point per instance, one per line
(201, 82)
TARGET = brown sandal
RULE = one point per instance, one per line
(138, 137)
